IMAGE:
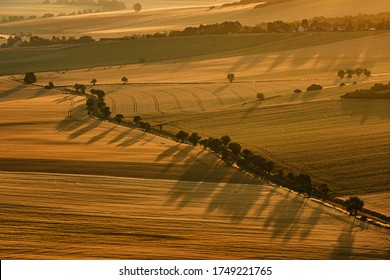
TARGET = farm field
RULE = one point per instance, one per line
(126, 22)
(100, 217)
(78, 187)
(83, 188)
(208, 58)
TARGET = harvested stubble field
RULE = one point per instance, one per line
(75, 187)
(79, 188)
(126, 22)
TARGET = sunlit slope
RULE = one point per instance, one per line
(44, 130)
(121, 23)
(52, 216)
(208, 58)
(344, 143)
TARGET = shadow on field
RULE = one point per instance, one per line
(310, 95)
(344, 245)
(100, 136)
(8, 92)
(83, 130)
(366, 108)
(120, 136)
(69, 124)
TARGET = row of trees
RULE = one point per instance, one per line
(232, 152)
(349, 23)
(350, 72)
(377, 91)
(40, 41)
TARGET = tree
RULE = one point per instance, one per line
(182, 136)
(101, 104)
(247, 155)
(82, 88)
(324, 188)
(341, 74)
(93, 81)
(194, 138)
(204, 143)
(137, 119)
(145, 125)
(235, 148)
(230, 77)
(105, 111)
(76, 87)
(90, 104)
(305, 181)
(358, 71)
(124, 80)
(225, 140)
(367, 73)
(30, 78)
(49, 86)
(353, 205)
(214, 144)
(99, 93)
(118, 118)
(137, 7)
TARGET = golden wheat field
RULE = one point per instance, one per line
(74, 186)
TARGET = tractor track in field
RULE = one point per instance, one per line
(221, 102)
(200, 103)
(178, 103)
(156, 103)
(239, 96)
(70, 109)
(135, 105)
(113, 102)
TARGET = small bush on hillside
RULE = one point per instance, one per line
(260, 96)
(314, 87)
(30, 78)
(297, 90)
(342, 84)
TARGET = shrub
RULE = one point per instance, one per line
(260, 96)
(342, 84)
(297, 90)
(30, 78)
(314, 87)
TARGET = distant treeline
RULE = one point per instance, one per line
(377, 91)
(16, 41)
(101, 6)
(242, 2)
(349, 23)
(106, 4)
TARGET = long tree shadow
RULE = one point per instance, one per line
(284, 217)
(94, 124)
(344, 245)
(100, 136)
(68, 124)
(120, 136)
(366, 108)
(11, 91)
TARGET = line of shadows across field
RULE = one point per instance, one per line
(279, 215)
